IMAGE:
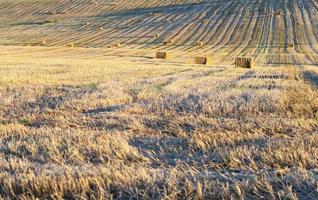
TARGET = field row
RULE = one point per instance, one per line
(274, 31)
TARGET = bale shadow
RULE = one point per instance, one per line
(108, 109)
(53, 98)
(311, 77)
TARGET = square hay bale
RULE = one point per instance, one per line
(157, 14)
(291, 45)
(43, 42)
(169, 42)
(277, 13)
(205, 21)
(202, 60)
(163, 55)
(244, 62)
(200, 43)
(116, 45)
(71, 45)
(157, 35)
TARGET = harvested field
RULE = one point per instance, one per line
(130, 128)
(227, 29)
(88, 112)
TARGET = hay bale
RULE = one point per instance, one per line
(71, 45)
(244, 62)
(163, 55)
(202, 60)
(168, 42)
(200, 44)
(290, 45)
(43, 42)
(87, 23)
(277, 13)
(205, 21)
(157, 14)
(157, 35)
(116, 45)
(101, 28)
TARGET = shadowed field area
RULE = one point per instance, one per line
(79, 123)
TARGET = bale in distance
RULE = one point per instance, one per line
(157, 14)
(43, 42)
(290, 45)
(199, 43)
(244, 62)
(163, 55)
(168, 42)
(277, 13)
(202, 60)
(71, 45)
(205, 21)
(117, 45)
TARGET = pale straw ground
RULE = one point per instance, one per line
(78, 123)
(94, 122)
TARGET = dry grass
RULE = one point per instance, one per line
(115, 123)
(92, 126)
